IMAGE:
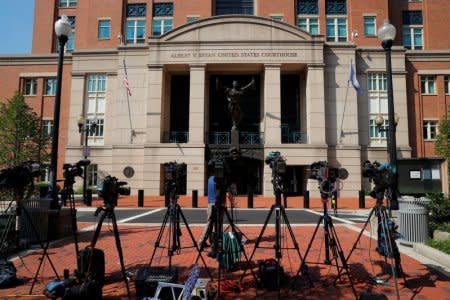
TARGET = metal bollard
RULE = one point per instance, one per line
(194, 198)
(250, 199)
(140, 198)
(88, 197)
(306, 199)
(166, 199)
(362, 199)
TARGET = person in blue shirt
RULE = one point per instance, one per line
(211, 203)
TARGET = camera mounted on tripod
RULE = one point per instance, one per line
(326, 176)
(278, 165)
(19, 176)
(110, 189)
(73, 170)
(382, 175)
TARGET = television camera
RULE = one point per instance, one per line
(110, 188)
(326, 176)
(382, 175)
(19, 176)
(278, 165)
(76, 169)
(174, 172)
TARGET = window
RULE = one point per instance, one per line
(50, 87)
(67, 3)
(30, 87)
(47, 128)
(336, 29)
(92, 171)
(307, 16)
(234, 7)
(430, 129)
(336, 7)
(95, 106)
(447, 84)
(308, 24)
(369, 26)
(104, 27)
(413, 29)
(135, 25)
(162, 18)
(427, 85)
(307, 7)
(191, 19)
(378, 105)
(278, 17)
(45, 173)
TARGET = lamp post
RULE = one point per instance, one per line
(386, 34)
(62, 30)
(86, 128)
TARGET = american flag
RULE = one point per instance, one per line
(125, 78)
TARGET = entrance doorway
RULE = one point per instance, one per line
(295, 180)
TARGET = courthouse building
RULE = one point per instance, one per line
(293, 56)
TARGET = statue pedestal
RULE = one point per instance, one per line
(235, 137)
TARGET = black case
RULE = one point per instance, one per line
(97, 269)
(146, 279)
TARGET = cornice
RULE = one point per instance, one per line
(428, 55)
(33, 59)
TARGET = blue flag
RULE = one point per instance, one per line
(353, 79)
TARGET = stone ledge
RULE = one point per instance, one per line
(433, 254)
(440, 235)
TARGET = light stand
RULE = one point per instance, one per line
(62, 30)
(386, 34)
(87, 128)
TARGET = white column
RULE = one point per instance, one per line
(155, 89)
(197, 104)
(315, 104)
(272, 105)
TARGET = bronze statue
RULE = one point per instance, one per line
(233, 95)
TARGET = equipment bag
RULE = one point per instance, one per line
(268, 274)
(91, 262)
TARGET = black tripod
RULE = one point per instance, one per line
(214, 231)
(280, 214)
(172, 217)
(386, 241)
(332, 245)
(108, 212)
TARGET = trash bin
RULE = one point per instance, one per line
(413, 219)
(37, 209)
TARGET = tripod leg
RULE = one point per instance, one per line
(303, 263)
(73, 219)
(161, 231)
(241, 247)
(357, 240)
(388, 242)
(119, 251)
(43, 247)
(258, 240)
(339, 253)
(4, 243)
(297, 248)
(193, 240)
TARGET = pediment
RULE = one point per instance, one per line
(235, 28)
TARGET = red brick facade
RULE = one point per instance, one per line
(436, 27)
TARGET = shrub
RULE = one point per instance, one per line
(439, 210)
(443, 246)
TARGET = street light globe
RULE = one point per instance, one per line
(379, 120)
(62, 27)
(386, 32)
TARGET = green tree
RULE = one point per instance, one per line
(21, 133)
(442, 145)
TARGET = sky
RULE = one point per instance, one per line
(16, 26)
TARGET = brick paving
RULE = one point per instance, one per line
(138, 244)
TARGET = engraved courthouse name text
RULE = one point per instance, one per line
(232, 54)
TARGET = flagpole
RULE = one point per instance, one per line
(128, 102)
(343, 112)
